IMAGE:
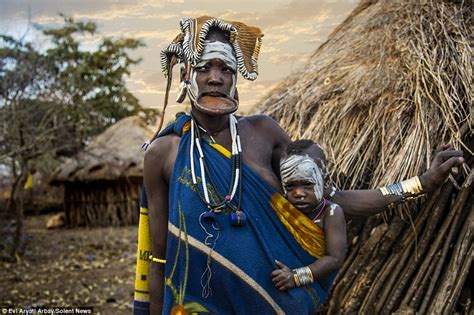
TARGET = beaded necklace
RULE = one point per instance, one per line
(212, 134)
(238, 217)
(320, 208)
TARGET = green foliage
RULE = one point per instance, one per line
(52, 102)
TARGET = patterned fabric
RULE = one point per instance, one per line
(307, 234)
(243, 257)
(189, 44)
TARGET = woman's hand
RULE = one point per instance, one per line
(445, 159)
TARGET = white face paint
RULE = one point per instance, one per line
(219, 50)
(302, 168)
(214, 50)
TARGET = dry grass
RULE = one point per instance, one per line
(392, 82)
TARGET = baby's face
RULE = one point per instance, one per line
(301, 194)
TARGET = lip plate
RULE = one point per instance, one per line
(214, 105)
(214, 94)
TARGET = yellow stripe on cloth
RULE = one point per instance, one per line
(221, 150)
(143, 262)
(186, 127)
(306, 232)
(217, 147)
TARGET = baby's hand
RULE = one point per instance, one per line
(283, 278)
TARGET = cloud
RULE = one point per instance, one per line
(146, 81)
(45, 19)
(300, 29)
(194, 13)
(251, 91)
(167, 35)
(265, 49)
(119, 12)
(45, 11)
(294, 11)
(290, 57)
(293, 29)
(250, 18)
(276, 38)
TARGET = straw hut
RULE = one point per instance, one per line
(391, 84)
(102, 182)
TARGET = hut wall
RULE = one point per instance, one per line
(103, 203)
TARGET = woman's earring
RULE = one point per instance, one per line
(183, 87)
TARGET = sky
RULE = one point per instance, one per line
(293, 30)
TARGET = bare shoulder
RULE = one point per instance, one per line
(159, 146)
(334, 212)
(261, 121)
(160, 155)
(267, 126)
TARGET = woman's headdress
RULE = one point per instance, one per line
(189, 44)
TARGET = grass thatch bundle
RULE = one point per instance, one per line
(392, 83)
(102, 182)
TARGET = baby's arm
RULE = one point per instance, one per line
(335, 243)
(335, 251)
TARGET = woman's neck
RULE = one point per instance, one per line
(210, 123)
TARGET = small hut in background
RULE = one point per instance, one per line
(392, 83)
(102, 182)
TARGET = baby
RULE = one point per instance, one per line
(302, 175)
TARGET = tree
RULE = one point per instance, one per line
(52, 102)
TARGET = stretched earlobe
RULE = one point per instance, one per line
(236, 95)
(182, 91)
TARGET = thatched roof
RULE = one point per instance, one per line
(391, 83)
(116, 153)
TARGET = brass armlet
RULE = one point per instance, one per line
(408, 189)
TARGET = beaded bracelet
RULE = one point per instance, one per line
(303, 276)
(332, 193)
(297, 280)
(157, 260)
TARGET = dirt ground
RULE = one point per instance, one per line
(72, 268)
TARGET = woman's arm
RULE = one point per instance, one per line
(371, 201)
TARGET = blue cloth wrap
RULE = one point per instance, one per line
(241, 274)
